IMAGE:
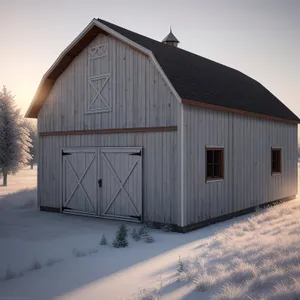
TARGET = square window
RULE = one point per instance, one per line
(276, 161)
(214, 163)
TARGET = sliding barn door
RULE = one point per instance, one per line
(121, 181)
(79, 180)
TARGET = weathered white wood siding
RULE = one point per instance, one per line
(160, 180)
(135, 91)
(247, 143)
(138, 97)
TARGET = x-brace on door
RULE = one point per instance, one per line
(79, 180)
(121, 182)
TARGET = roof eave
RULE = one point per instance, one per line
(31, 111)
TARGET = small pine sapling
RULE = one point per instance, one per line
(135, 235)
(143, 232)
(180, 268)
(78, 253)
(120, 240)
(9, 274)
(36, 265)
(103, 241)
(150, 224)
(52, 261)
(258, 208)
(149, 239)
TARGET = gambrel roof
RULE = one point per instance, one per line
(197, 80)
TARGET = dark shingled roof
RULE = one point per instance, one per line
(203, 80)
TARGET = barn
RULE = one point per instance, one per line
(135, 129)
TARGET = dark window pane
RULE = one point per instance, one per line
(210, 170)
(210, 156)
(217, 156)
(276, 161)
(217, 170)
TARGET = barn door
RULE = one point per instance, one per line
(79, 182)
(121, 180)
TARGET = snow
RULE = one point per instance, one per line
(25, 179)
(56, 256)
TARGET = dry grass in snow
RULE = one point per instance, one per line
(255, 259)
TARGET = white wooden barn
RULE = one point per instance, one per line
(135, 129)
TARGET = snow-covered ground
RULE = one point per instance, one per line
(21, 190)
(55, 256)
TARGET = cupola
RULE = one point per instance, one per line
(170, 39)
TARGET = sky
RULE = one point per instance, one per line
(260, 38)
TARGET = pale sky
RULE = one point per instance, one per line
(260, 38)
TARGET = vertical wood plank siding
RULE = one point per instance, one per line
(139, 97)
(136, 92)
(160, 180)
(247, 145)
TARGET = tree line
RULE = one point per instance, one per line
(18, 137)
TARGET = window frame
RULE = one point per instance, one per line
(277, 149)
(221, 164)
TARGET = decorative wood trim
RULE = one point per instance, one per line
(182, 166)
(121, 184)
(110, 131)
(79, 181)
(90, 102)
(118, 149)
(95, 53)
(214, 180)
(98, 51)
(237, 111)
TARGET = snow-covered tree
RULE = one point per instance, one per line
(31, 127)
(14, 137)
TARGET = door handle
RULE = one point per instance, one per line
(100, 183)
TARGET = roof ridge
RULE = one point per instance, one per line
(176, 48)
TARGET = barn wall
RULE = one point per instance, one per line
(160, 180)
(136, 92)
(247, 145)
